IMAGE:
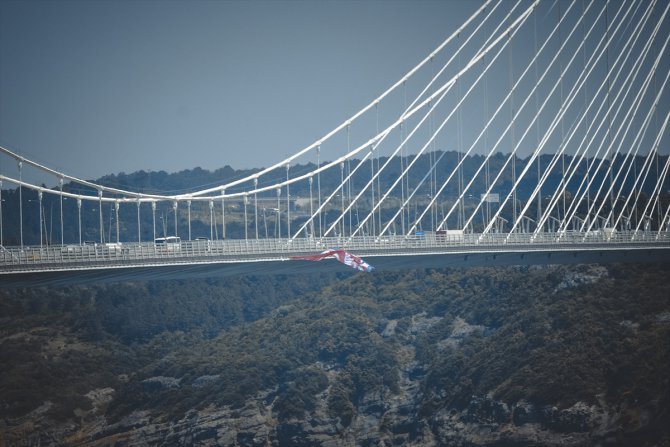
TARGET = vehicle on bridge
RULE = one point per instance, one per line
(449, 235)
(202, 244)
(169, 243)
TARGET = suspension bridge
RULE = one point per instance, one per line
(534, 133)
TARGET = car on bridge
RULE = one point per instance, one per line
(202, 244)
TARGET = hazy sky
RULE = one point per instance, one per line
(98, 87)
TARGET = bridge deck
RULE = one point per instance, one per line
(379, 250)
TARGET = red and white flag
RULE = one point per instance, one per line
(344, 257)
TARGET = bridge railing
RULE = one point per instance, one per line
(201, 251)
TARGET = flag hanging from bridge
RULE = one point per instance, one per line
(344, 257)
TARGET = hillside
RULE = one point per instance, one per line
(550, 355)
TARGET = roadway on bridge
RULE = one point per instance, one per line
(247, 258)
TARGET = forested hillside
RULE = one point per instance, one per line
(551, 355)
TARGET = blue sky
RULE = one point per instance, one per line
(99, 87)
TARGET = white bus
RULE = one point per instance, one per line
(170, 243)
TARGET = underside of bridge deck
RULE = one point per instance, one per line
(380, 262)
